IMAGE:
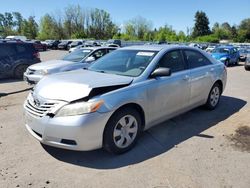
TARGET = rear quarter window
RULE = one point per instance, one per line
(25, 48)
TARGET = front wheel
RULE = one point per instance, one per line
(227, 63)
(214, 97)
(122, 131)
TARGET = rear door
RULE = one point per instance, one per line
(201, 70)
(7, 59)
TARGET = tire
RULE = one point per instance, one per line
(214, 97)
(227, 63)
(237, 62)
(247, 68)
(123, 124)
(19, 70)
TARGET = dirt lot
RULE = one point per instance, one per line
(197, 149)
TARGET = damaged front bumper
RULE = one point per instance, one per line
(81, 132)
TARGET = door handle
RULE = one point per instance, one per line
(186, 77)
(212, 70)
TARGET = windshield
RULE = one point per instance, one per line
(77, 55)
(221, 50)
(124, 62)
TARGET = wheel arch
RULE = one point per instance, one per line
(135, 106)
(220, 84)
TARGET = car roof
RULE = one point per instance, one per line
(157, 47)
(148, 47)
(229, 47)
(97, 48)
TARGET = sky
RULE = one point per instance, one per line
(177, 13)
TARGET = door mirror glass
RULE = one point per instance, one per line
(161, 72)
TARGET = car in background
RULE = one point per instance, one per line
(78, 59)
(80, 46)
(53, 44)
(210, 48)
(247, 63)
(196, 45)
(121, 95)
(114, 43)
(243, 54)
(92, 43)
(229, 55)
(46, 42)
(15, 57)
(75, 43)
(16, 37)
(38, 45)
(64, 45)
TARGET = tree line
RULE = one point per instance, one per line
(79, 22)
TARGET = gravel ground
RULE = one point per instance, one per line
(197, 149)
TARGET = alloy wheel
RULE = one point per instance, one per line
(215, 95)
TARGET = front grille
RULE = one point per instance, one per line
(38, 108)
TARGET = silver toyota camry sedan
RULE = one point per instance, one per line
(120, 95)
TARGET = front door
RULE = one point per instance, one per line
(168, 96)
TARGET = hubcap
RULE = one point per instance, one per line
(125, 131)
(215, 95)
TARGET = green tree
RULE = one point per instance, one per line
(182, 37)
(47, 28)
(201, 26)
(30, 28)
(244, 31)
(18, 21)
(6, 24)
(138, 28)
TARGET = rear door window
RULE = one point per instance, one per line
(196, 59)
(20, 48)
(7, 50)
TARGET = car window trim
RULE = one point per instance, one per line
(188, 65)
(182, 57)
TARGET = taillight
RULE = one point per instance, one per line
(36, 55)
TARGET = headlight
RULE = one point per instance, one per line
(79, 108)
(42, 72)
(223, 59)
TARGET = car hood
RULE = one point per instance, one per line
(219, 55)
(53, 64)
(74, 85)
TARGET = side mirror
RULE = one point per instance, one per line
(90, 59)
(161, 72)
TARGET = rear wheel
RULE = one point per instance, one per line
(227, 63)
(214, 96)
(19, 70)
(122, 131)
(237, 62)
